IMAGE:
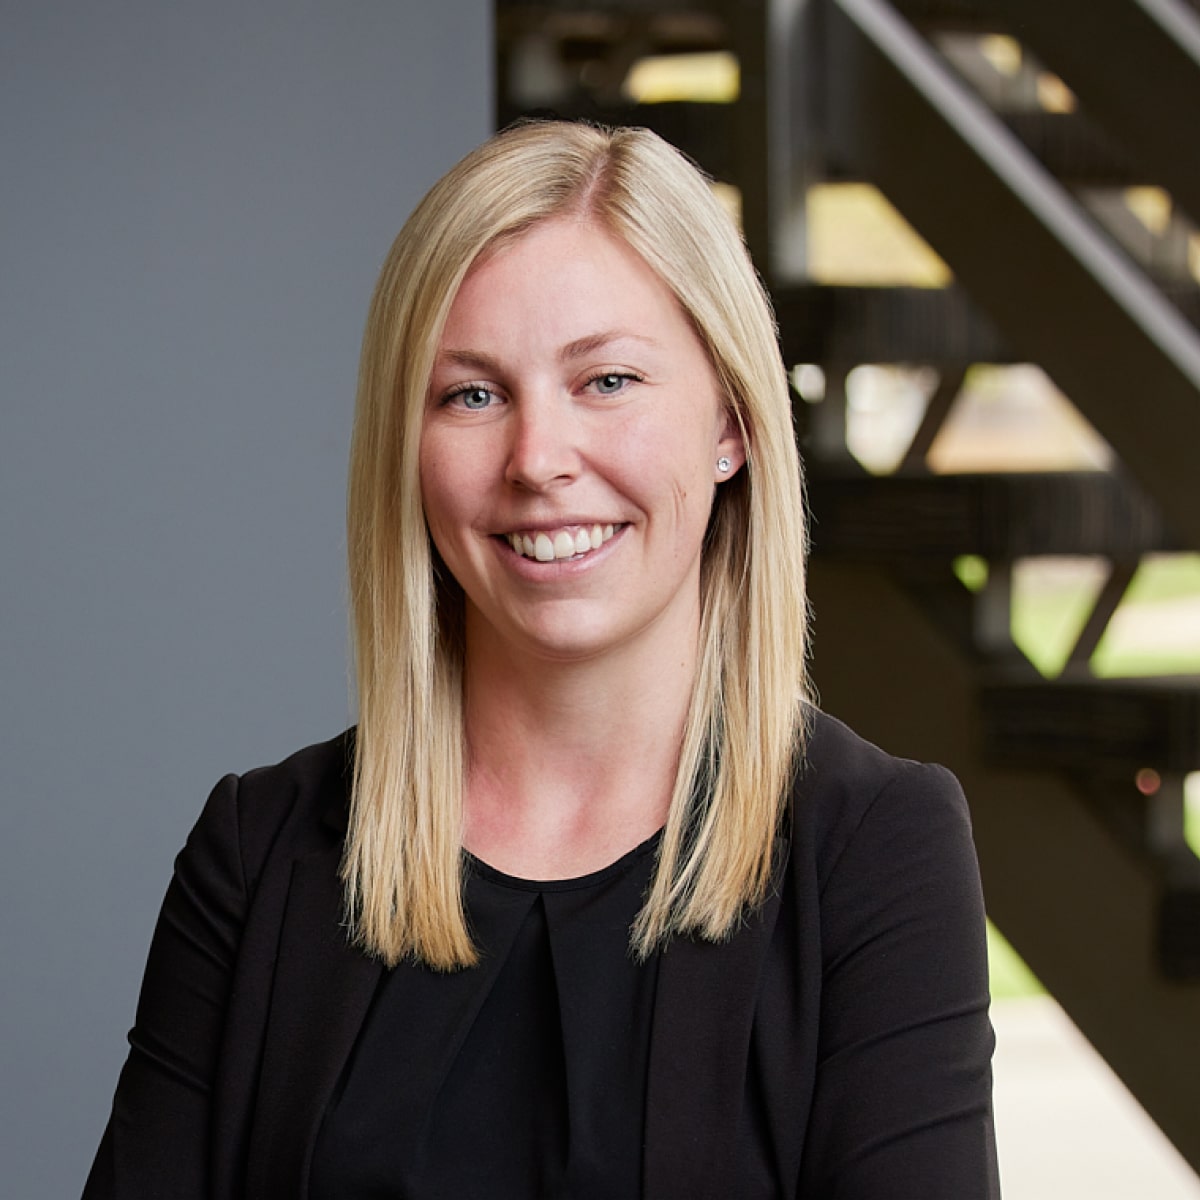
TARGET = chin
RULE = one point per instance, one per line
(567, 646)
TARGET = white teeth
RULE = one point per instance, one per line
(562, 543)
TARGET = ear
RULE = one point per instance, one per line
(730, 445)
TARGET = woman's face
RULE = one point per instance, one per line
(570, 447)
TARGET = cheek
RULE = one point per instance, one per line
(671, 461)
(678, 498)
(442, 469)
(441, 514)
(437, 499)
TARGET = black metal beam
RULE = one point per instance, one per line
(1135, 65)
(898, 519)
(972, 16)
(1058, 289)
(936, 412)
(845, 326)
(1120, 576)
(1074, 149)
(1097, 726)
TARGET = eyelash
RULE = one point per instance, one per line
(466, 389)
(625, 376)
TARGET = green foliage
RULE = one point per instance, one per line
(1010, 977)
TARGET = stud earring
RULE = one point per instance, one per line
(723, 464)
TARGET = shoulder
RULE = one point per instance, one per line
(848, 793)
(297, 805)
(884, 863)
(315, 780)
(886, 902)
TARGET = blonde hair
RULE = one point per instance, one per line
(403, 862)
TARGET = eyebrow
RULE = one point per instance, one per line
(597, 341)
(470, 358)
(579, 348)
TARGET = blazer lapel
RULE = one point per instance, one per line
(699, 1048)
(320, 996)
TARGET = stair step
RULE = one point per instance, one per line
(1074, 149)
(851, 325)
(1094, 726)
(966, 16)
(900, 518)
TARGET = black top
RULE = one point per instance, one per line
(836, 1044)
(522, 1076)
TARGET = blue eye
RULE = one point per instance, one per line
(472, 398)
(611, 383)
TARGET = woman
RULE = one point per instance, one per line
(593, 902)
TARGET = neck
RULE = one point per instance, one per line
(571, 764)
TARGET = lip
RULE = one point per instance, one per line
(531, 568)
(567, 522)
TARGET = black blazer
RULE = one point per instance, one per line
(849, 1015)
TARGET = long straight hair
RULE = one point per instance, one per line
(403, 862)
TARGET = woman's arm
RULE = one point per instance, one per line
(157, 1139)
(902, 1106)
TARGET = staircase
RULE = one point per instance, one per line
(1014, 176)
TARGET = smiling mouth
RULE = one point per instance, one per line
(571, 541)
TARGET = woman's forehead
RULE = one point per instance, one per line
(575, 281)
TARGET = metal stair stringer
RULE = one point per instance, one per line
(1060, 293)
(1095, 44)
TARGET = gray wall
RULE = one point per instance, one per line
(194, 201)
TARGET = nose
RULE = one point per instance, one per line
(543, 450)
